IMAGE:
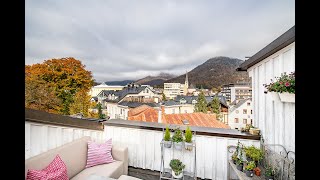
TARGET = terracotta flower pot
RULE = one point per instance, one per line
(257, 171)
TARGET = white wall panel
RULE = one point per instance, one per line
(275, 118)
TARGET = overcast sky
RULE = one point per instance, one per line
(126, 39)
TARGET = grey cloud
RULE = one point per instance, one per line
(125, 39)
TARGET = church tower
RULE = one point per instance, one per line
(186, 82)
(186, 85)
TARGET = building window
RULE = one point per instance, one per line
(236, 120)
(244, 111)
(185, 111)
(237, 111)
(147, 91)
(248, 104)
(173, 111)
(251, 121)
(244, 121)
(251, 111)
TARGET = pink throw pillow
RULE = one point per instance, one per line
(55, 170)
(99, 153)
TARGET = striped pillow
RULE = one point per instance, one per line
(55, 170)
(99, 153)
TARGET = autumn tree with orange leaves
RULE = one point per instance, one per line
(53, 84)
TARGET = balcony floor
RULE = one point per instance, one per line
(146, 174)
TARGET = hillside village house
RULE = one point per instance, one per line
(240, 114)
(95, 90)
(275, 119)
(112, 100)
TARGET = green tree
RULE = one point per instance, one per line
(101, 116)
(215, 106)
(201, 105)
(164, 98)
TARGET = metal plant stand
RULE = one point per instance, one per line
(165, 173)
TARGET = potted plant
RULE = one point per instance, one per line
(188, 139)
(167, 139)
(253, 153)
(257, 171)
(249, 168)
(284, 86)
(177, 168)
(269, 173)
(254, 131)
(234, 157)
(177, 139)
(239, 164)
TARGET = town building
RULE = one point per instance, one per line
(240, 114)
(112, 100)
(237, 91)
(275, 119)
(95, 90)
(172, 90)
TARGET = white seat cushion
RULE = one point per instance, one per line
(113, 170)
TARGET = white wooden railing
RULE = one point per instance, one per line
(40, 137)
(145, 152)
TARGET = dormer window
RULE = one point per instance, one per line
(194, 101)
(182, 101)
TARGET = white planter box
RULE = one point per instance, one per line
(177, 177)
(287, 97)
(274, 96)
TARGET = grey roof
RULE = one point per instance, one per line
(282, 41)
(137, 104)
(171, 103)
(189, 99)
(122, 93)
(242, 101)
(95, 98)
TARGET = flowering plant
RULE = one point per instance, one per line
(284, 83)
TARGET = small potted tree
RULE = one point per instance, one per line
(188, 139)
(269, 173)
(167, 139)
(177, 139)
(177, 168)
(249, 168)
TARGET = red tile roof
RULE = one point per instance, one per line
(149, 114)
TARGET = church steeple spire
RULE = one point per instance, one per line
(186, 82)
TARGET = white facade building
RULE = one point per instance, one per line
(237, 91)
(172, 90)
(275, 119)
(95, 90)
(240, 114)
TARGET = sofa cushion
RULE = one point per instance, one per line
(99, 153)
(55, 170)
(113, 170)
(125, 177)
(73, 154)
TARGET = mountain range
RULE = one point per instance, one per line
(155, 80)
(214, 72)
